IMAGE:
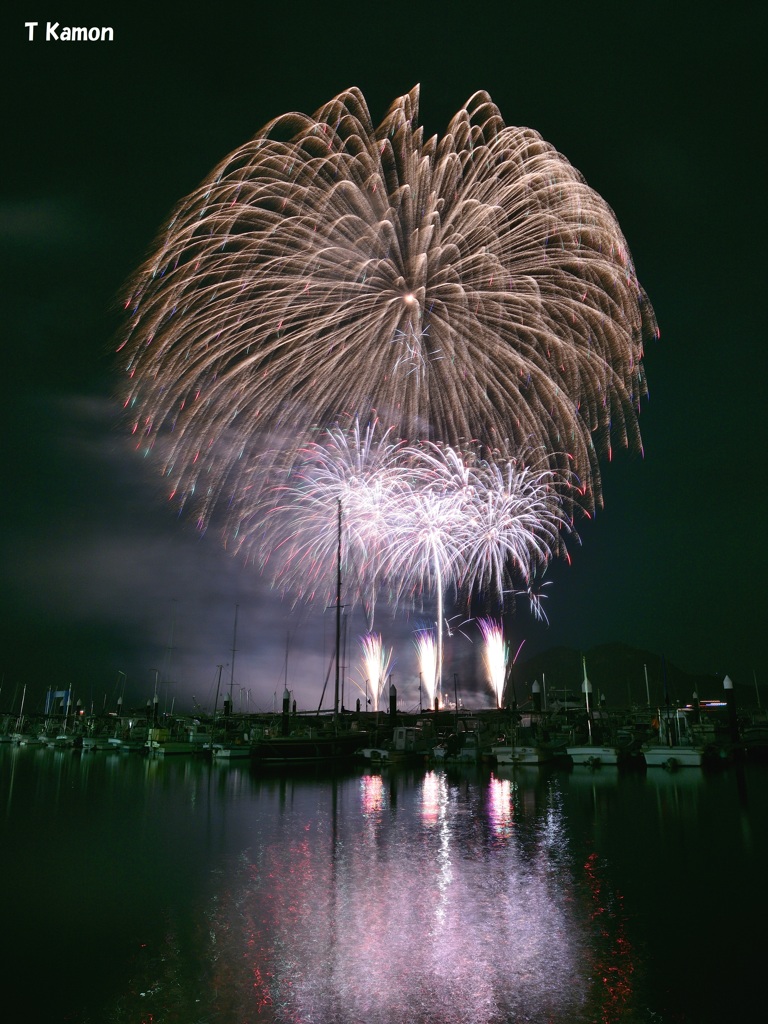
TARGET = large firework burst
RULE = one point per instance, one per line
(471, 288)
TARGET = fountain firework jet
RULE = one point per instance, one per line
(468, 288)
(426, 650)
(495, 655)
(376, 664)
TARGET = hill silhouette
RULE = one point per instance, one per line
(617, 673)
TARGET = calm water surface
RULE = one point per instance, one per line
(140, 890)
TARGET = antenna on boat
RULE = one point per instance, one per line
(587, 688)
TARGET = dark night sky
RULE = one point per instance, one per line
(659, 105)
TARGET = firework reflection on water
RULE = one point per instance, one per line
(444, 903)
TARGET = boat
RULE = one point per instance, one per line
(754, 738)
(592, 754)
(230, 751)
(231, 747)
(675, 747)
(522, 754)
(530, 745)
(98, 742)
(230, 742)
(672, 756)
(130, 737)
(182, 737)
(329, 742)
(26, 739)
(470, 743)
(65, 741)
(313, 746)
(408, 745)
(227, 741)
(22, 734)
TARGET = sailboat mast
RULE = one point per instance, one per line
(232, 668)
(21, 709)
(338, 619)
(216, 699)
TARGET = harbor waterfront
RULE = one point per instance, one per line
(191, 890)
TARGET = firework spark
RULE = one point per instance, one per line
(468, 287)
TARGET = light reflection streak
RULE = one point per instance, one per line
(373, 796)
(501, 810)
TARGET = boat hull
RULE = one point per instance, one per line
(307, 750)
(172, 748)
(94, 743)
(230, 753)
(383, 757)
(522, 755)
(672, 757)
(593, 756)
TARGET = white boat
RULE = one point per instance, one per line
(672, 756)
(520, 754)
(225, 750)
(529, 743)
(593, 755)
(675, 747)
(64, 741)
